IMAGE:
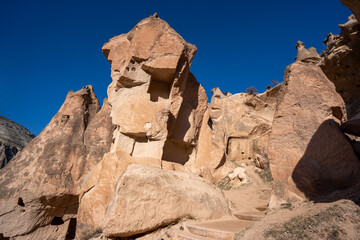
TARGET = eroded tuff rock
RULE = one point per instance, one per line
(157, 107)
(99, 189)
(149, 190)
(156, 102)
(235, 127)
(79, 173)
(167, 197)
(354, 6)
(309, 155)
(39, 188)
(13, 138)
(306, 55)
(341, 61)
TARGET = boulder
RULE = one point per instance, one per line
(152, 198)
(309, 155)
(157, 104)
(99, 189)
(13, 138)
(39, 188)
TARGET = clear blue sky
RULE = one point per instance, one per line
(52, 46)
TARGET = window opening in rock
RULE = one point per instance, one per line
(158, 89)
(57, 221)
(21, 202)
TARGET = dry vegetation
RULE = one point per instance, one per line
(331, 223)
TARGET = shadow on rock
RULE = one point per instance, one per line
(329, 167)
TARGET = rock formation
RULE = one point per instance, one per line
(354, 6)
(168, 197)
(306, 55)
(157, 107)
(341, 61)
(107, 172)
(186, 195)
(39, 188)
(235, 128)
(99, 189)
(309, 155)
(157, 104)
(13, 138)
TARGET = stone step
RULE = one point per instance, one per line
(250, 216)
(191, 236)
(221, 229)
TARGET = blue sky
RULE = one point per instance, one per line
(52, 46)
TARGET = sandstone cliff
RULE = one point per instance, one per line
(39, 188)
(13, 138)
(157, 106)
(310, 155)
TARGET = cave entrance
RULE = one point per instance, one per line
(158, 89)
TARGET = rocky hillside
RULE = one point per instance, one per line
(157, 161)
(13, 138)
